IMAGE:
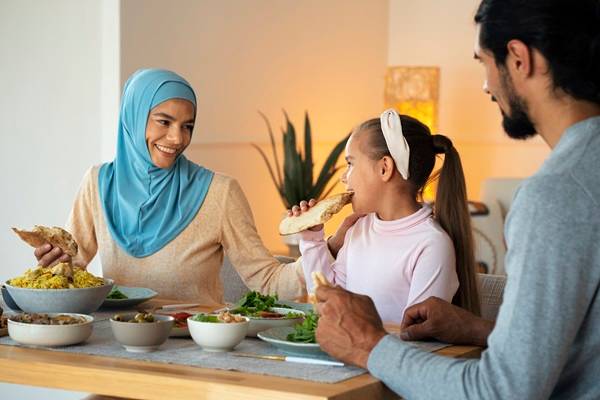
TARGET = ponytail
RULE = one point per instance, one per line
(452, 213)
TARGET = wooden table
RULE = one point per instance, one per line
(151, 380)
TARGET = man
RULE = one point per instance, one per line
(542, 62)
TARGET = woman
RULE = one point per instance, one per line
(160, 221)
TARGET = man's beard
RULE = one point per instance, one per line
(517, 124)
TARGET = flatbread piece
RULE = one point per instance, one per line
(316, 215)
(56, 236)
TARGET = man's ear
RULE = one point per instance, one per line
(519, 60)
(386, 167)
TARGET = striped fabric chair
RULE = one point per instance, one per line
(491, 291)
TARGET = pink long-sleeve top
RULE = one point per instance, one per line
(397, 263)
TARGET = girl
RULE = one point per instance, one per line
(401, 251)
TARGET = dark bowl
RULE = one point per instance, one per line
(8, 300)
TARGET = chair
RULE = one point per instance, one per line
(233, 286)
(488, 229)
(491, 292)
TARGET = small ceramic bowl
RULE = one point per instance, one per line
(51, 335)
(262, 324)
(218, 336)
(80, 300)
(142, 337)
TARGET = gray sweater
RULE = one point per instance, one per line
(546, 342)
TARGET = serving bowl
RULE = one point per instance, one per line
(218, 336)
(77, 300)
(51, 335)
(262, 324)
(8, 300)
(142, 337)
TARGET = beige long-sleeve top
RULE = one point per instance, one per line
(188, 267)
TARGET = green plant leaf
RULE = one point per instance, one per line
(308, 157)
(279, 181)
(329, 168)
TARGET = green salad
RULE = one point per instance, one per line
(206, 318)
(257, 305)
(305, 331)
(116, 294)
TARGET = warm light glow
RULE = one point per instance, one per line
(414, 91)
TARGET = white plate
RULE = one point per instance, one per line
(278, 338)
(135, 296)
(262, 324)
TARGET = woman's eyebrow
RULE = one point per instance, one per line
(163, 115)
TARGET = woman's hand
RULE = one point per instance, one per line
(336, 241)
(48, 255)
(304, 206)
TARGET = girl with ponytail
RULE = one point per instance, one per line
(400, 251)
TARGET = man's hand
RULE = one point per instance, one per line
(349, 326)
(440, 320)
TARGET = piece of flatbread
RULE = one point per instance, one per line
(316, 215)
(56, 236)
(318, 280)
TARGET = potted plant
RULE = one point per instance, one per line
(295, 181)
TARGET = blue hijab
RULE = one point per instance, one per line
(145, 206)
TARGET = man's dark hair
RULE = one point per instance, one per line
(565, 32)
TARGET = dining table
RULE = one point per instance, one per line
(141, 379)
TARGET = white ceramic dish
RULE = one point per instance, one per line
(51, 335)
(135, 296)
(278, 338)
(79, 301)
(218, 336)
(262, 324)
(142, 337)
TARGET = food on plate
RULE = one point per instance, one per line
(305, 331)
(61, 276)
(256, 305)
(116, 294)
(316, 215)
(45, 319)
(181, 319)
(56, 236)
(222, 317)
(139, 318)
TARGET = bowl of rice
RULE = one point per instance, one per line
(59, 289)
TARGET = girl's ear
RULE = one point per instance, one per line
(386, 168)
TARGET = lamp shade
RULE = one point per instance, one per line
(414, 91)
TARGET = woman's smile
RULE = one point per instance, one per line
(167, 151)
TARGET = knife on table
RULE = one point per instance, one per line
(303, 360)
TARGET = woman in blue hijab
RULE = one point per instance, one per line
(159, 220)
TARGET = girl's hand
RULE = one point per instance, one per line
(304, 207)
(47, 255)
(336, 241)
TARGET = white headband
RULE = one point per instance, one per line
(394, 138)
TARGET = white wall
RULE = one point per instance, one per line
(442, 33)
(327, 57)
(53, 94)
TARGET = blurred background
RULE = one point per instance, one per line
(63, 64)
